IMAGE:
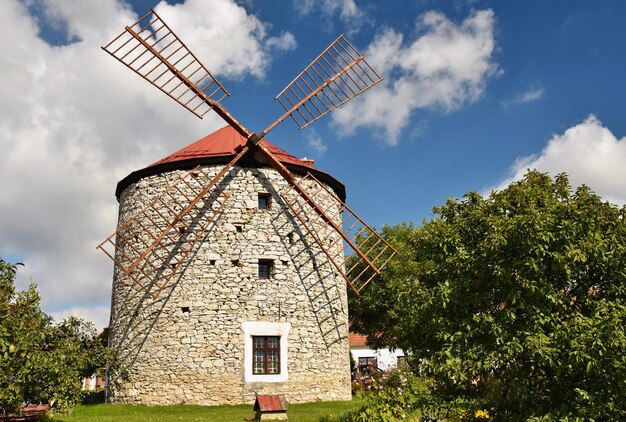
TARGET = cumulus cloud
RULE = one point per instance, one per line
(346, 10)
(315, 143)
(525, 97)
(73, 122)
(232, 40)
(283, 43)
(589, 153)
(445, 67)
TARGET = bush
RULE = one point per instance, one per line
(358, 388)
(40, 361)
(515, 302)
(94, 397)
(394, 395)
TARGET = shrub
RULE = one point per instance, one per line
(394, 395)
(515, 302)
(40, 361)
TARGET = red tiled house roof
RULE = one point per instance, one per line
(357, 339)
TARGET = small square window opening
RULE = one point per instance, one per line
(265, 268)
(264, 201)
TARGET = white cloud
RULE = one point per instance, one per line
(232, 39)
(315, 142)
(531, 95)
(285, 42)
(346, 10)
(99, 315)
(73, 122)
(525, 97)
(445, 67)
(589, 153)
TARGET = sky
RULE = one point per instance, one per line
(475, 93)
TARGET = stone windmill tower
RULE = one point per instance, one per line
(231, 255)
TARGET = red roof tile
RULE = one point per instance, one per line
(357, 339)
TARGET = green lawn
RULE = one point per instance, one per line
(307, 412)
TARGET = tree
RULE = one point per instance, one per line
(42, 362)
(514, 303)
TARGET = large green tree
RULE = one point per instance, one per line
(513, 302)
(40, 361)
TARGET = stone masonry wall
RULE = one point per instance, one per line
(187, 346)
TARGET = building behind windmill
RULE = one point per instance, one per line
(257, 307)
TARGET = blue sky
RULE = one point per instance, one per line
(475, 92)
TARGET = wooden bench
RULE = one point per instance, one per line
(29, 412)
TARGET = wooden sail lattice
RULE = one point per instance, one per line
(357, 252)
(149, 48)
(336, 76)
(153, 245)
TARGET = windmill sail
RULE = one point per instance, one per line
(153, 51)
(338, 74)
(360, 253)
(152, 246)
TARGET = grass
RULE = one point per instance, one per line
(306, 412)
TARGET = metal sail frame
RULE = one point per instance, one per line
(152, 50)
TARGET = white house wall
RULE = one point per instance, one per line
(387, 359)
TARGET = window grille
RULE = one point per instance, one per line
(266, 355)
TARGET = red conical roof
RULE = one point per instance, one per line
(224, 143)
(219, 147)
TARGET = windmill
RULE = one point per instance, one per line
(152, 50)
(158, 240)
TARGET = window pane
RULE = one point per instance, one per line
(265, 269)
(272, 368)
(259, 363)
(264, 201)
(258, 342)
(368, 361)
(272, 342)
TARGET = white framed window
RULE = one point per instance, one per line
(266, 355)
(263, 341)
